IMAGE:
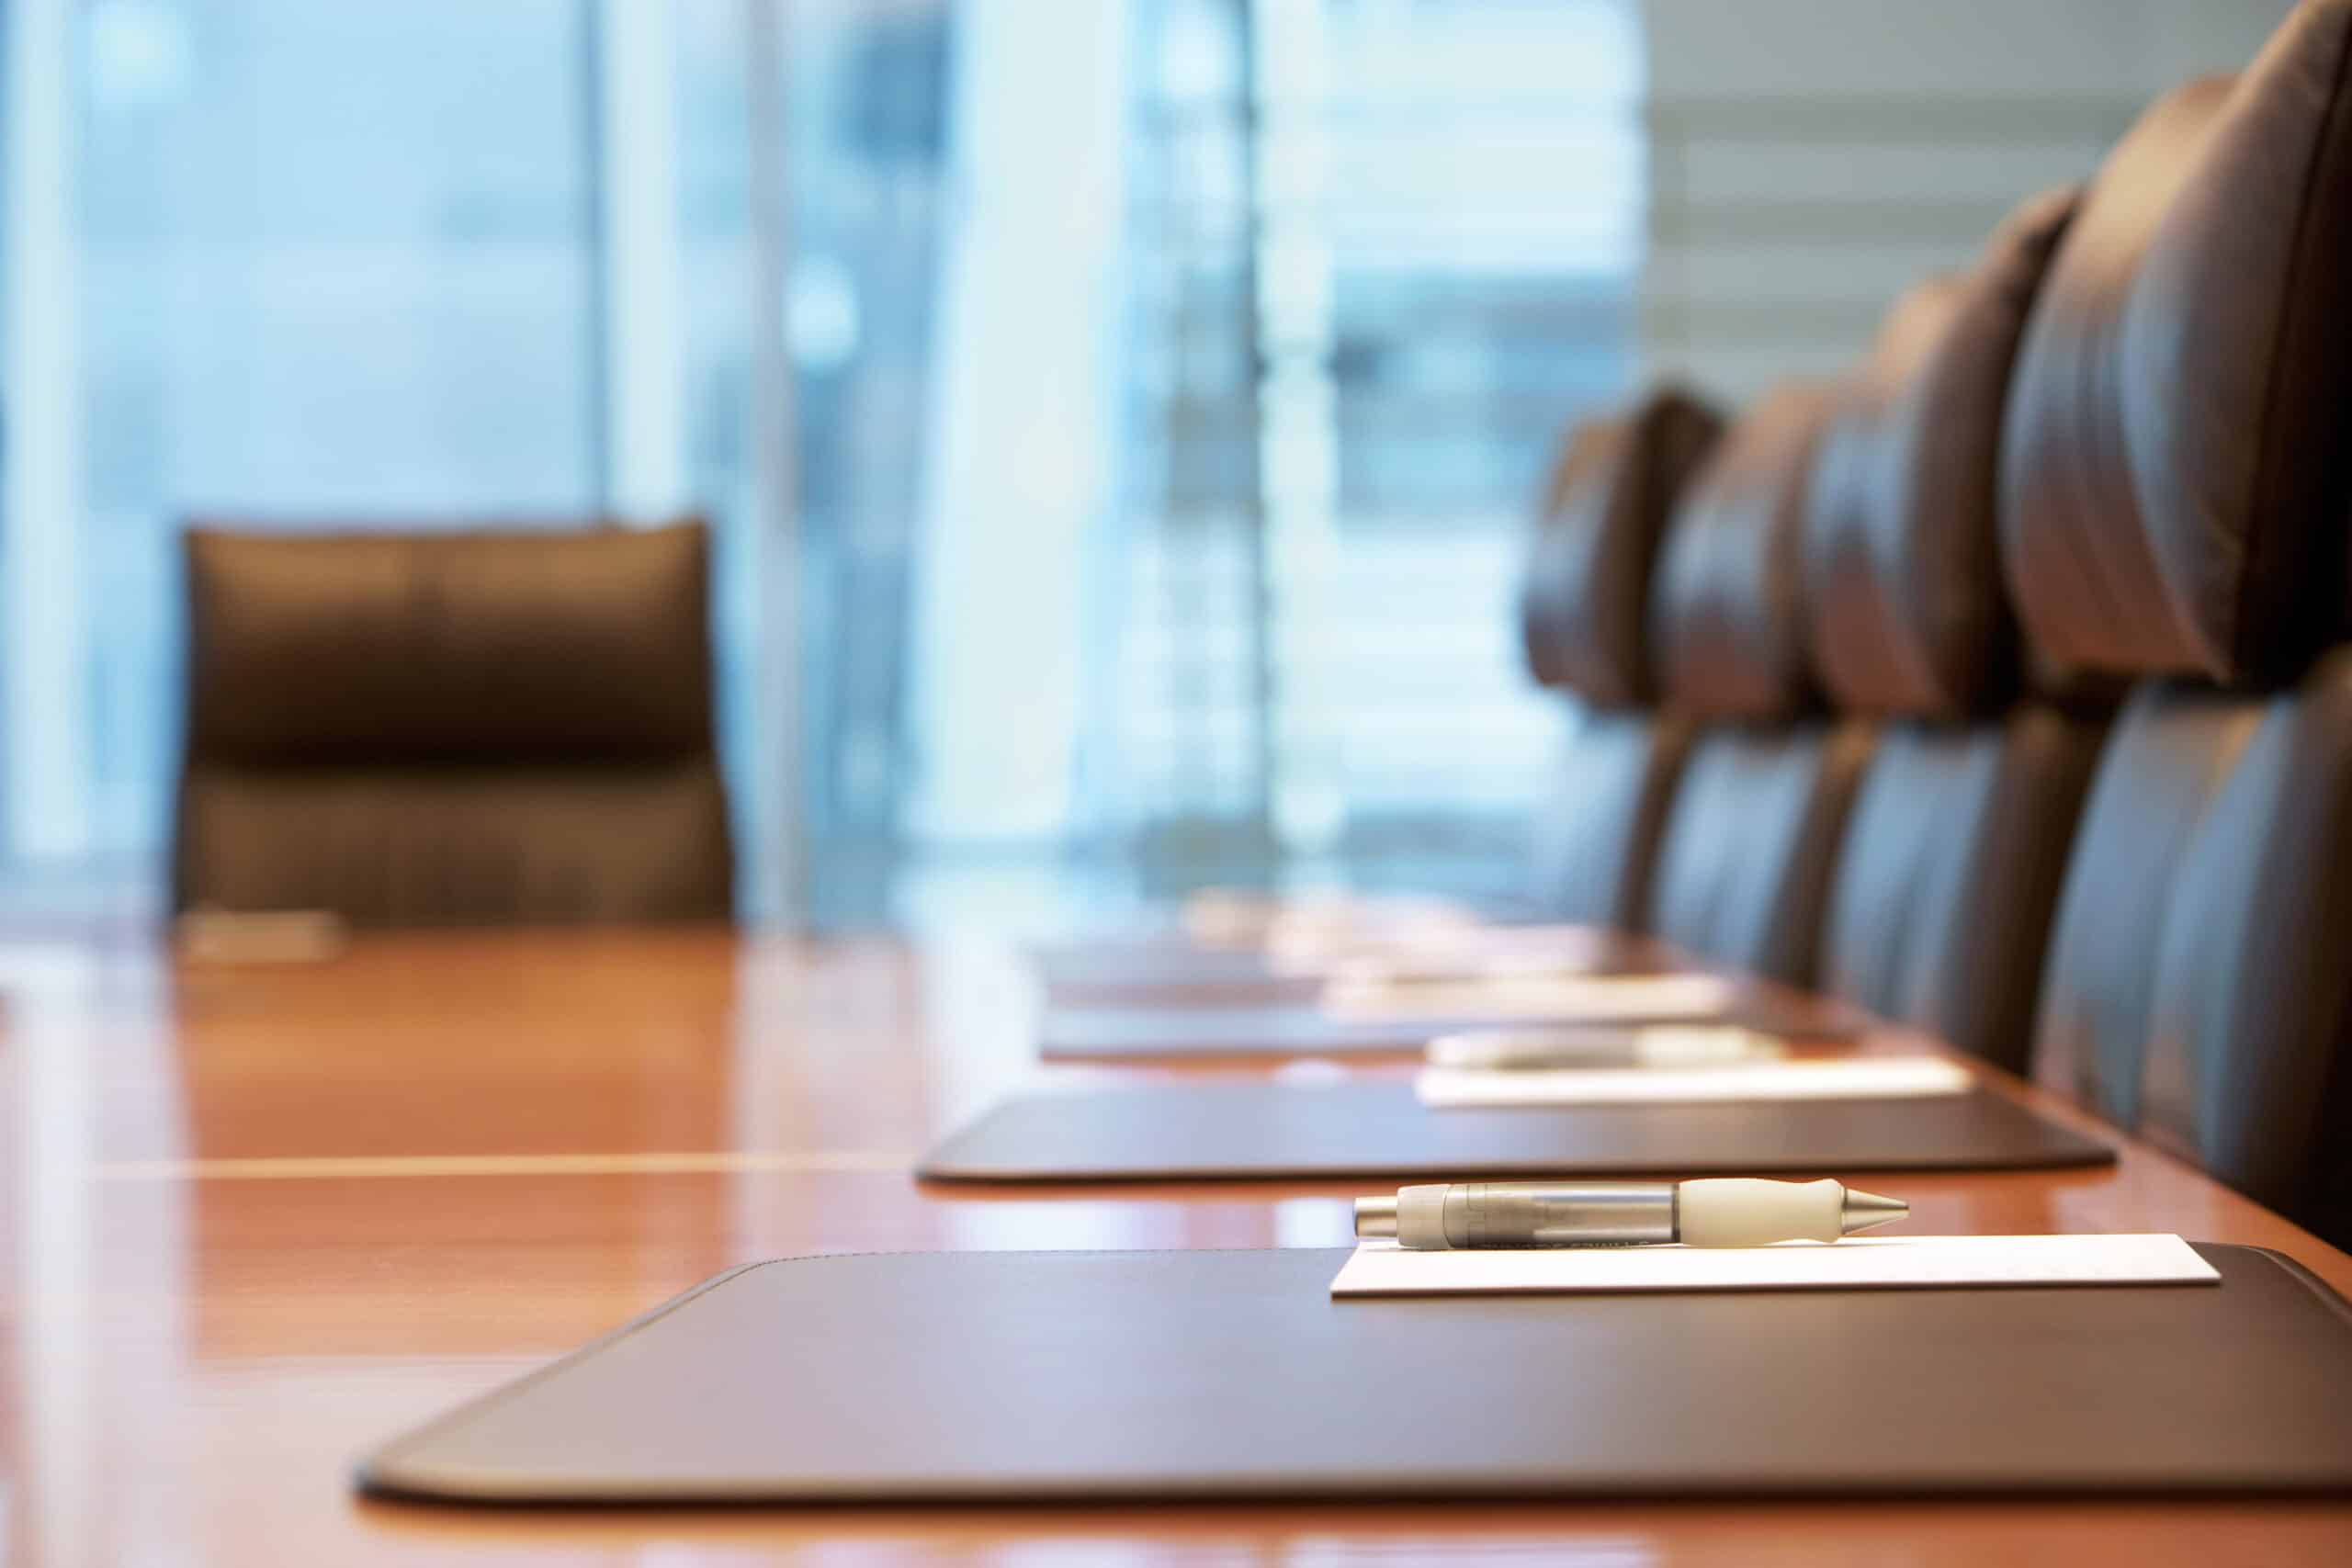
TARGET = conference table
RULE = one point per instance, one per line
(261, 1217)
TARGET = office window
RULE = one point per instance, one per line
(1384, 252)
(1118, 420)
(311, 264)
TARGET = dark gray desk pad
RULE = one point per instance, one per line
(1302, 1029)
(1005, 1376)
(1110, 967)
(1249, 1130)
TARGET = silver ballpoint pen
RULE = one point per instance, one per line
(1713, 1212)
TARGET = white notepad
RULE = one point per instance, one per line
(1595, 998)
(1384, 1268)
(1311, 922)
(1861, 1077)
(1467, 953)
(1524, 1049)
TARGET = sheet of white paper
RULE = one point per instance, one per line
(1384, 1268)
(1223, 918)
(1602, 1045)
(1447, 954)
(1596, 999)
(1861, 1077)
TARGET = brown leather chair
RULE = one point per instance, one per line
(453, 729)
(1581, 618)
(1754, 829)
(1596, 839)
(1953, 857)
(2176, 492)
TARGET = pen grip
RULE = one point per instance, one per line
(1740, 1211)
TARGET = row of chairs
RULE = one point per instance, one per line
(2004, 687)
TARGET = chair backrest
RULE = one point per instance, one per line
(1583, 621)
(1754, 828)
(2176, 495)
(1584, 600)
(1949, 869)
(452, 727)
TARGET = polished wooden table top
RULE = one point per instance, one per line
(261, 1217)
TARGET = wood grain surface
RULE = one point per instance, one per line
(260, 1217)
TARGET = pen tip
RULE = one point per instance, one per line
(1867, 1211)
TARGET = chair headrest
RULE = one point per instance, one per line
(1908, 612)
(447, 647)
(1726, 612)
(2177, 477)
(1583, 600)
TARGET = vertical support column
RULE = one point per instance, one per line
(643, 330)
(1298, 413)
(1258, 567)
(44, 638)
(779, 871)
(1017, 464)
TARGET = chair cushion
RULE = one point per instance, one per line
(1751, 841)
(1597, 839)
(2196, 989)
(1950, 871)
(639, 843)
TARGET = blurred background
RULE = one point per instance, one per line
(1119, 418)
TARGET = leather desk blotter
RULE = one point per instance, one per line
(1004, 1376)
(1304, 1029)
(1296, 1029)
(1249, 1130)
(1168, 969)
